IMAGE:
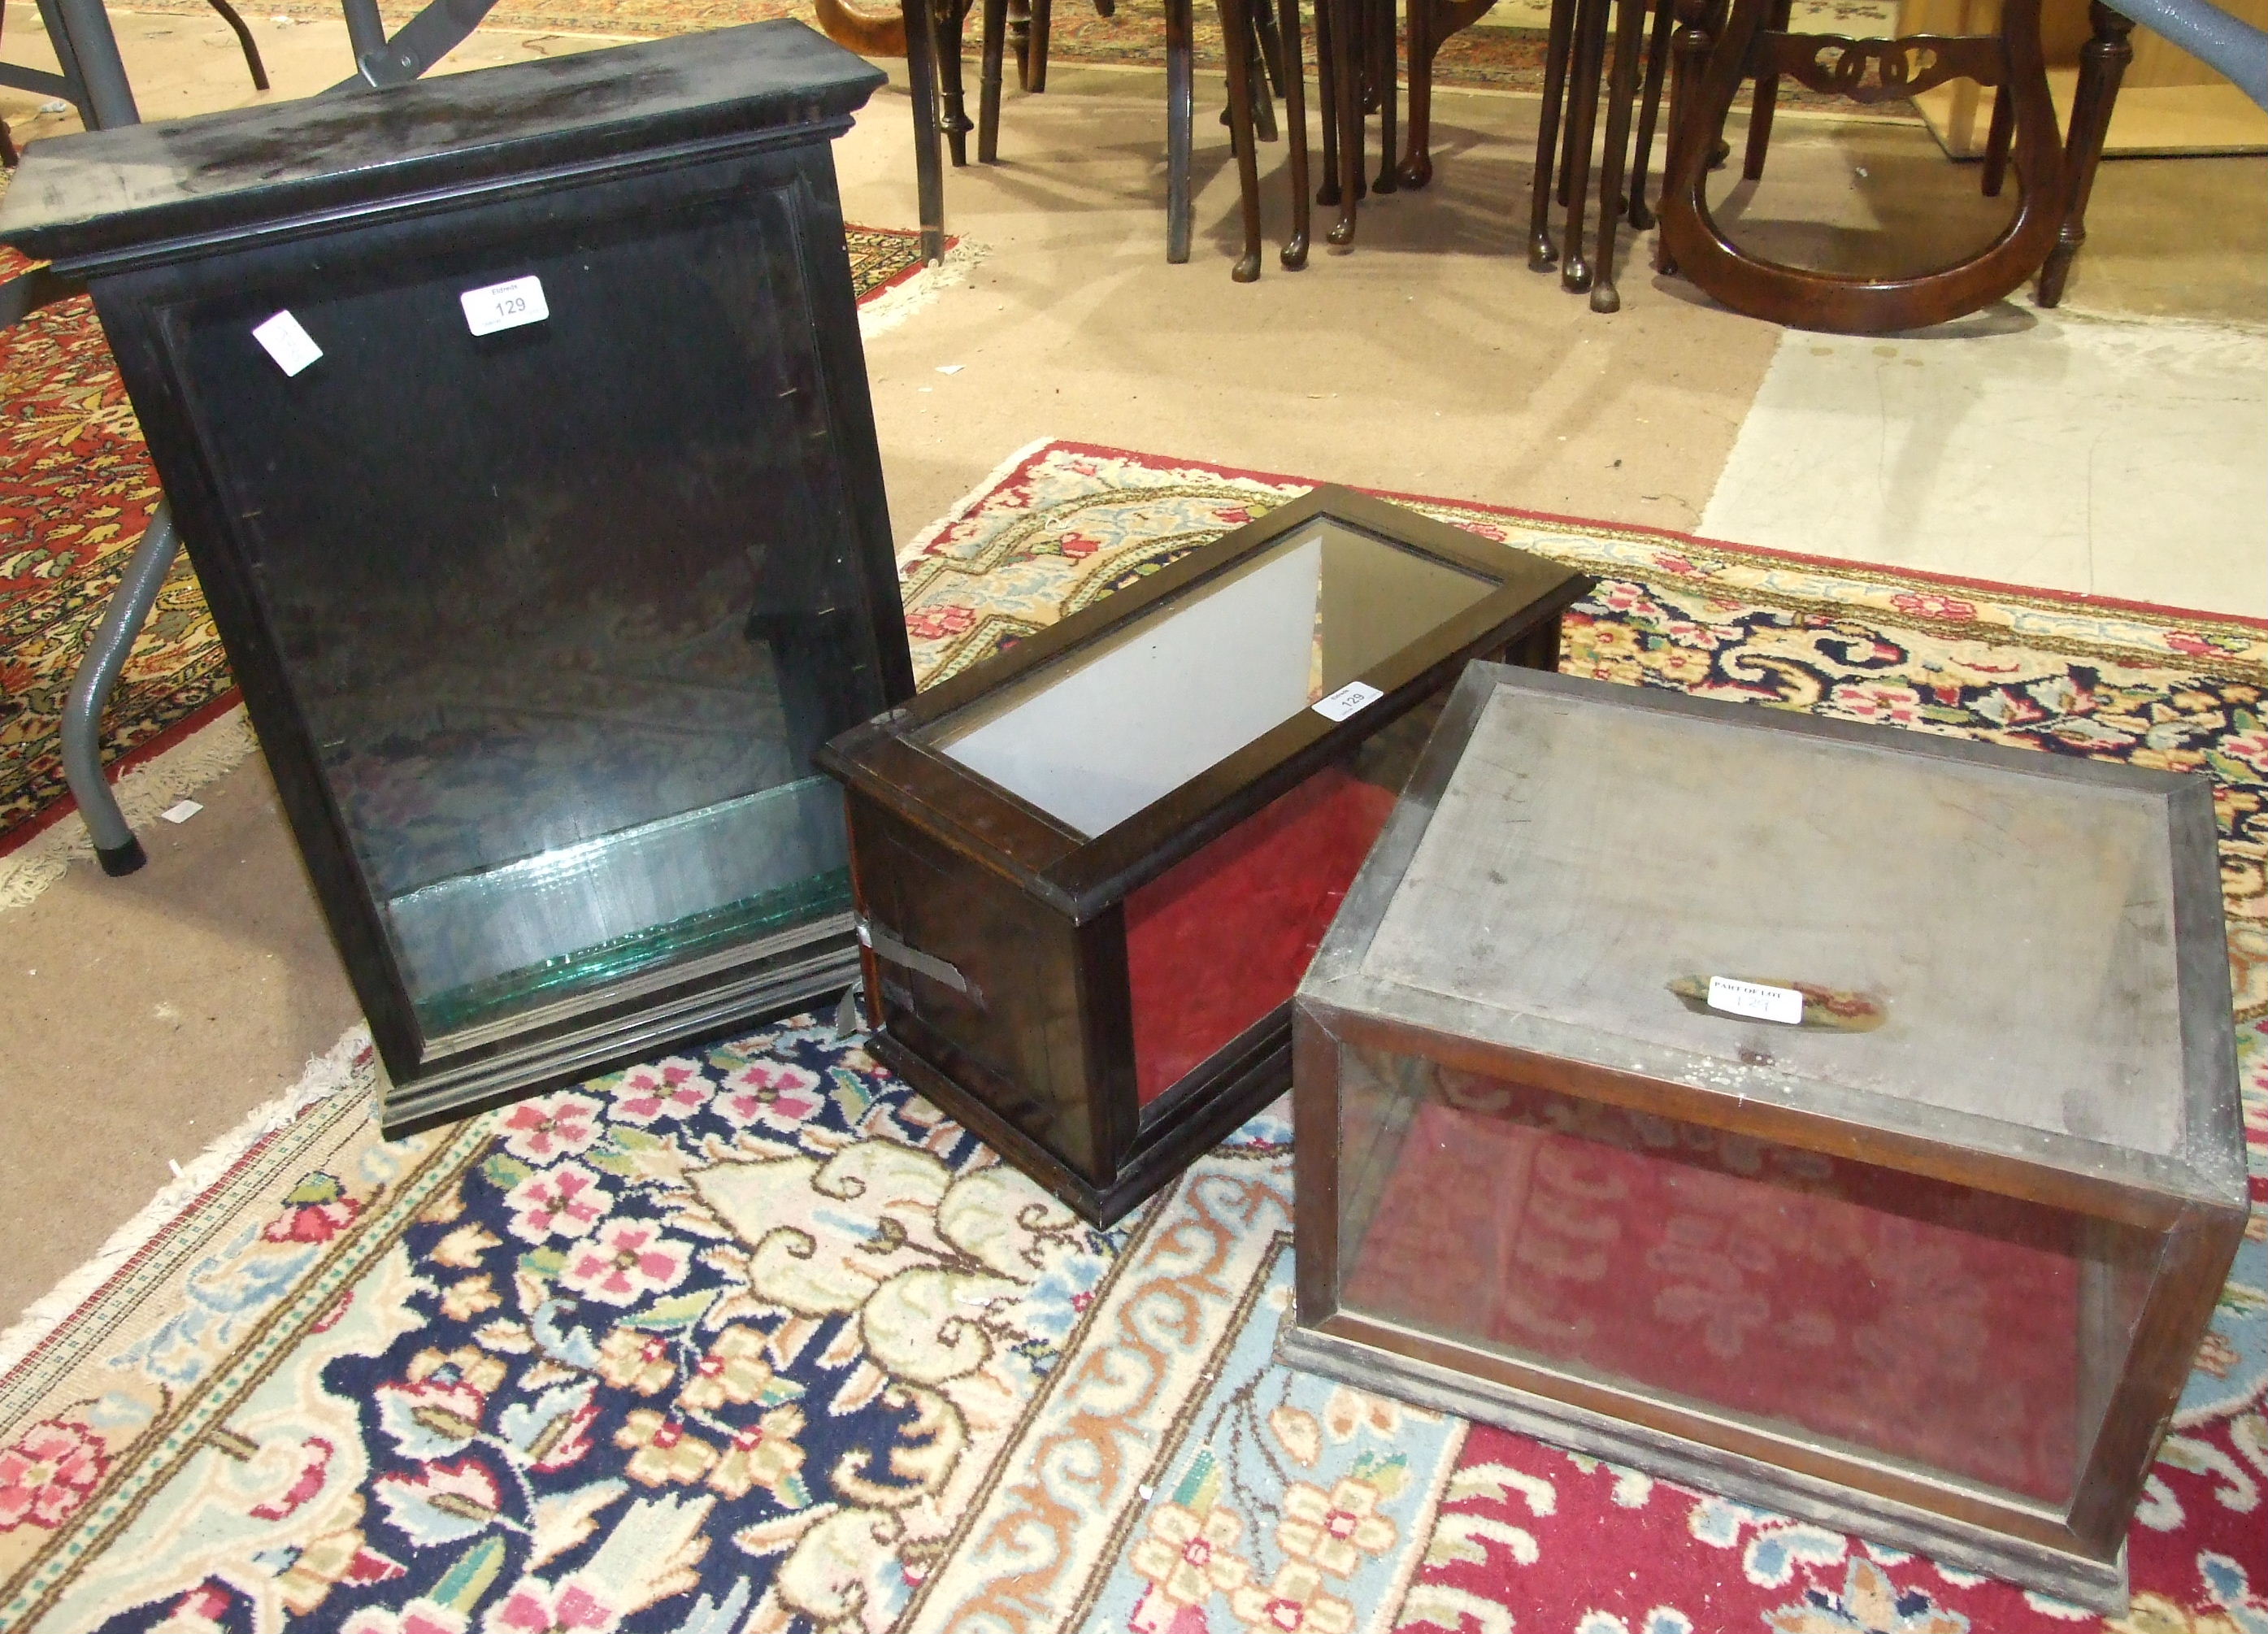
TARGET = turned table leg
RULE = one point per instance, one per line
(1582, 115)
(2102, 65)
(1294, 253)
(1235, 27)
(929, 162)
(1542, 256)
(1180, 94)
(1630, 20)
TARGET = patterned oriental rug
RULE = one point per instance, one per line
(749, 1340)
(76, 494)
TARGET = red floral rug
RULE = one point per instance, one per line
(750, 1340)
(75, 493)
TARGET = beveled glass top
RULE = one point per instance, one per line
(1121, 722)
(1981, 938)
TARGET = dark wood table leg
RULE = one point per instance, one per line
(1294, 253)
(1179, 93)
(1582, 118)
(1348, 35)
(1766, 101)
(929, 162)
(988, 99)
(1689, 62)
(1649, 104)
(1036, 73)
(1629, 24)
(1431, 25)
(1236, 32)
(1997, 140)
(1257, 71)
(1418, 158)
(1387, 75)
(952, 15)
(1542, 255)
(1020, 35)
(2101, 65)
(1327, 94)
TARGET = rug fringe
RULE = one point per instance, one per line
(893, 307)
(143, 793)
(973, 497)
(339, 1068)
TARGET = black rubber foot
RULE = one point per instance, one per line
(124, 859)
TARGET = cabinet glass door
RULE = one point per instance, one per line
(567, 604)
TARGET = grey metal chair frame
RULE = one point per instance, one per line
(94, 80)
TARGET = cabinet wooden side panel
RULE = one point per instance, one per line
(993, 997)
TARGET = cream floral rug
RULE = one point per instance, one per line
(749, 1340)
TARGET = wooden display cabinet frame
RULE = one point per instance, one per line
(2195, 1199)
(950, 869)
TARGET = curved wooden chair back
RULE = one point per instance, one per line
(1709, 75)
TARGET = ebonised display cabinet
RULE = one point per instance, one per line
(1091, 871)
(516, 422)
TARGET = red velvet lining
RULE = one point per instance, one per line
(1221, 938)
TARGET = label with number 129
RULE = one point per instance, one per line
(504, 305)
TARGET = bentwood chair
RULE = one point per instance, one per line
(2055, 173)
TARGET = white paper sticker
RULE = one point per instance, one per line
(292, 347)
(1346, 700)
(504, 305)
(1754, 999)
(180, 811)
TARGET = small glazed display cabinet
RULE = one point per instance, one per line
(1089, 872)
(1840, 1118)
(516, 422)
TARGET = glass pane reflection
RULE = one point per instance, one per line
(1125, 720)
(1950, 1329)
(564, 682)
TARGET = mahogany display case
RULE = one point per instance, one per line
(1840, 1118)
(516, 422)
(1091, 870)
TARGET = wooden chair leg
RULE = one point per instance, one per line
(1649, 106)
(2101, 65)
(1567, 125)
(1347, 29)
(1043, 17)
(954, 15)
(1294, 253)
(1386, 56)
(1235, 28)
(1257, 53)
(1327, 99)
(1998, 139)
(1268, 30)
(1689, 62)
(1179, 101)
(1767, 100)
(1420, 28)
(920, 19)
(1542, 255)
(1582, 118)
(993, 29)
(1629, 24)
